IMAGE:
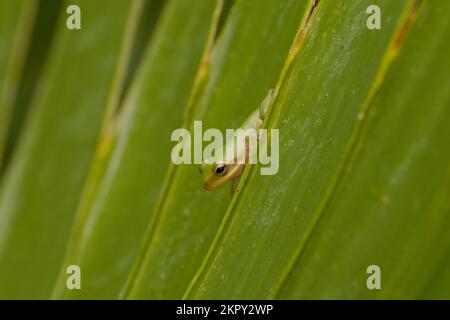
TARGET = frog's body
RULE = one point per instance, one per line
(215, 172)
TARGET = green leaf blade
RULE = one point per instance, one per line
(42, 186)
(16, 22)
(135, 172)
(390, 209)
(245, 64)
(317, 118)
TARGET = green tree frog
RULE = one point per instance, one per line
(216, 171)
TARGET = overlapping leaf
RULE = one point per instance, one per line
(16, 23)
(319, 107)
(392, 207)
(111, 226)
(43, 184)
(245, 63)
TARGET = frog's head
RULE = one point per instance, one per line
(216, 174)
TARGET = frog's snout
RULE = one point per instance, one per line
(207, 186)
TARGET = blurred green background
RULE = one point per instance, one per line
(86, 177)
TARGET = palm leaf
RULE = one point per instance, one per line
(87, 179)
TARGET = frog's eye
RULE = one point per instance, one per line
(221, 170)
